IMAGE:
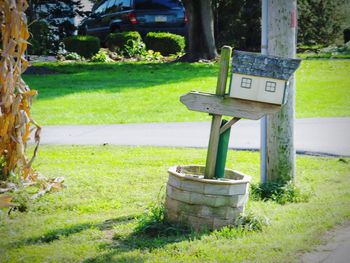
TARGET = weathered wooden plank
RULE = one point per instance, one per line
(216, 121)
(222, 105)
(228, 124)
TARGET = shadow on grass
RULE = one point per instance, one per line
(116, 77)
(156, 236)
(56, 234)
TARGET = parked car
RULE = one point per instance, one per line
(135, 15)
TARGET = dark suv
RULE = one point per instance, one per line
(135, 15)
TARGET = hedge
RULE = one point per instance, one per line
(119, 40)
(165, 43)
(85, 46)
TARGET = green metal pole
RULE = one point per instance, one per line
(222, 152)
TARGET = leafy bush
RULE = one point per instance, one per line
(134, 49)
(281, 193)
(150, 55)
(41, 40)
(72, 56)
(85, 46)
(117, 41)
(165, 43)
(101, 56)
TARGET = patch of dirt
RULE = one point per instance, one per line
(39, 70)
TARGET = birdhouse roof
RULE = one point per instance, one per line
(256, 64)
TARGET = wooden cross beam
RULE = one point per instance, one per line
(228, 124)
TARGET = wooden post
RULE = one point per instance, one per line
(216, 120)
(280, 163)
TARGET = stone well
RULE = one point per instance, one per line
(205, 203)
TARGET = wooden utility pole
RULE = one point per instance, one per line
(280, 152)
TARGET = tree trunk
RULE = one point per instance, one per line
(280, 127)
(201, 42)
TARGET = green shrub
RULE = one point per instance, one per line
(41, 40)
(165, 43)
(134, 49)
(72, 56)
(280, 193)
(115, 41)
(85, 46)
(101, 56)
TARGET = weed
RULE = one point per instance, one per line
(101, 56)
(278, 192)
(244, 223)
(134, 48)
(22, 200)
(154, 224)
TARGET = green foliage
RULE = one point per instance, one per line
(57, 14)
(134, 49)
(165, 43)
(85, 46)
(22, 200)
(280, 193)
(72, 56)
(150, 55)
(2, 165)
(101, 56)
(251, 222)
(333, 51)
(320, 21)
(154, 224)
(117, 41)
(244, 224)
(237, 23)
(41, 40)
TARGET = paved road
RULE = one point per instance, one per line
(312, 135)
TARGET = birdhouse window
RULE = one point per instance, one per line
(246, 83)
(270, 86)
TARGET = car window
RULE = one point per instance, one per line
(125, 4)
(157, 4)
(113, 6)
(99, 10)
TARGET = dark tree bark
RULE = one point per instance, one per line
(201, 40)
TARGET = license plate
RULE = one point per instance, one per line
(160, 19)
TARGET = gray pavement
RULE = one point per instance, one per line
(336, 250)
(312, 135)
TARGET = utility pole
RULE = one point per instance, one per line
(278, 129)
(263, 121)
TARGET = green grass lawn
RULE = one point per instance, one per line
(93, 218)
(138, 92)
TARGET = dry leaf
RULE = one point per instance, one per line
(5, 201)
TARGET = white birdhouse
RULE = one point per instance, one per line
(261, 78)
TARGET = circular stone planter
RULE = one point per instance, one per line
(204, 203)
